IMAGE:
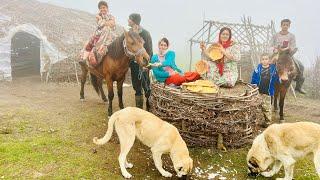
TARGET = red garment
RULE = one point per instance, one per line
(178, 79)
(225, 45)
(220, 66)
(191, 76)
(175, 79)
(92, 42)
(92, 59)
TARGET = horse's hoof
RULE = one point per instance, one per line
(281, 119)
(82, 99)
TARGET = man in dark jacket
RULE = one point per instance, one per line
(140, 78)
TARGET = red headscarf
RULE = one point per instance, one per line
(226, 44)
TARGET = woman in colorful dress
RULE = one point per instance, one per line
(165, 69)
(224, 71)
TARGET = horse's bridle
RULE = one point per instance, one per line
(130, 53)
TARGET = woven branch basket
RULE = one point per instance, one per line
(235, 113)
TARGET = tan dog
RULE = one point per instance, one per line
(159, 135)
(281, 145)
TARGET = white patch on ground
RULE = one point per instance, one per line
(216, 172)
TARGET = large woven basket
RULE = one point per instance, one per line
(235, 113)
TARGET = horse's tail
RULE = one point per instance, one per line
(108, 134)
(95, 83)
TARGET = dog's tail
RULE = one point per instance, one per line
(108, 135)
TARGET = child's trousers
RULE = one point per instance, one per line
(266, 107)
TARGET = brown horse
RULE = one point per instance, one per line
(94, 79)
(115, 65)
(287, 72)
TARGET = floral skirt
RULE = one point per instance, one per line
(229, 76)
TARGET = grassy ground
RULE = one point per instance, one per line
(46, 133)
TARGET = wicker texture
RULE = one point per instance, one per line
(201, 117)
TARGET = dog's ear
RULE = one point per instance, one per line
(253, 162)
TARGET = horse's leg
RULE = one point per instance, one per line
(120, 92)
(283, 92)
(110, 95)
(275, 98)
(103, 96)
(83, 80)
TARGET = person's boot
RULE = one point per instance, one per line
(139, 102)
(299, 84)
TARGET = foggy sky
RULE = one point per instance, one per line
(179, 20)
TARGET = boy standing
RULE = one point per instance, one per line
(265, 76)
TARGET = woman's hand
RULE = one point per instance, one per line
(202, 46)
(171, 73)
(223, 51)
(157, 64)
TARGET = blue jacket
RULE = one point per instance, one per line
(160, 74)
(256, 77)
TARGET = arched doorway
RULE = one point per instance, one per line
(25, 55)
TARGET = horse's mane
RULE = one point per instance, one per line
(285, 59)
(285, 56)
(116, 49)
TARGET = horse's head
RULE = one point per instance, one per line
(285, 65)
(134, 47)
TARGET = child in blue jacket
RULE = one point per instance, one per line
(265, 76)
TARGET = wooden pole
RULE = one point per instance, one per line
(190, 63)
(209, 32)
(75, 68)
(293, 92)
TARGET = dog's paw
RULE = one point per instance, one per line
(166, 174)
(129, 165)
(126, 175)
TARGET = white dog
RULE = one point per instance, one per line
(159, 135)
(281, 145)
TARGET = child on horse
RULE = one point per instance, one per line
(286, 40)
(265, 76)
(104, 20)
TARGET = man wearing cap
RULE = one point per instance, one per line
(140, 78)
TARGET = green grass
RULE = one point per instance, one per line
(234, 164)
(47, 156)
(49, 145)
